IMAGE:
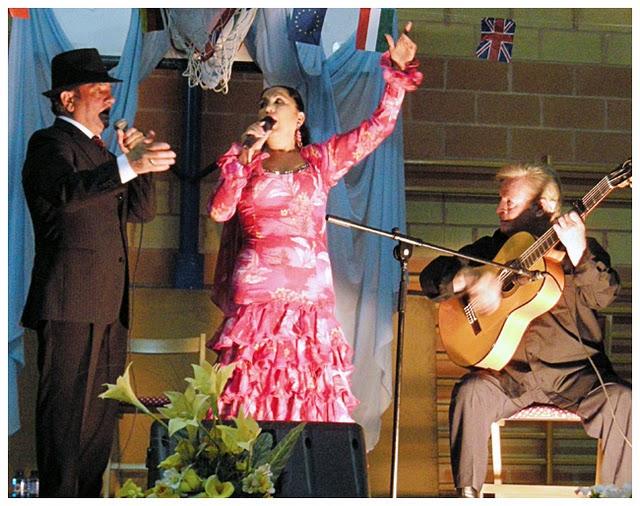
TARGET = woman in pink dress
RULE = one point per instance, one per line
(293, 361)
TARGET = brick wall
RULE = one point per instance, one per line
(596, 36)
(469, 115)
(478, 110)
(224, 117)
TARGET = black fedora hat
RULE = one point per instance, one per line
(78, 66)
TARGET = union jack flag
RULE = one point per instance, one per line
(496, 40)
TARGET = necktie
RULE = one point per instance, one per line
(99, 142)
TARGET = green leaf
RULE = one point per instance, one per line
(229, 436)
(130, 490)
(172, 461)
(188, 405)
(279, 456)
(248, 431)
(210, 379)
(190, 481)
(261, 449)
(177, 406)
(186, 450)
(177, 424)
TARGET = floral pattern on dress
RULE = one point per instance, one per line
(293, 360)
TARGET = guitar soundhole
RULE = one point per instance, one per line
(509, 282)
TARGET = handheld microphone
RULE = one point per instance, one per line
(267, 124)
(527, 276)
(537, 275)
(121, 124)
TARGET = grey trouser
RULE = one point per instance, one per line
(479, 399)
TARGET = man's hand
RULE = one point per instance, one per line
(482, 286)
(571, 231)
(131, 138)
(147, 155)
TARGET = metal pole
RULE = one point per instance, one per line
(190, 263)
(402, 253)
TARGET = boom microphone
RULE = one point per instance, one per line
(267, 124)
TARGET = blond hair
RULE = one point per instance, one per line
(542, 179)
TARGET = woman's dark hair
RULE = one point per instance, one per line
(293, 93)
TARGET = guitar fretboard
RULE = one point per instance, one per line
(549, 239)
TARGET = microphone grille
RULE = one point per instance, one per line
(121, 124)
(268, 122)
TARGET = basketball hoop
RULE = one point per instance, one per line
(211, 39)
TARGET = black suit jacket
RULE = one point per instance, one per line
(79, 208)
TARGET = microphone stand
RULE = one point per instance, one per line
(402, 252)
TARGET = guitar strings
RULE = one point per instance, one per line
(590, 200)
(546, 241)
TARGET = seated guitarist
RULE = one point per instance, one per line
(555, 359)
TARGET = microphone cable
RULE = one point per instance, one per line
(600, 380)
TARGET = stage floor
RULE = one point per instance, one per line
(507, 490)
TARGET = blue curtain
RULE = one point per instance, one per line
(34, 42)
(339, 92)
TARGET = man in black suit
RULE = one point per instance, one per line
(80, 197)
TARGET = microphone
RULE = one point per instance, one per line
(267, 124)
(531, 275)
(537, 275)
(121, 124)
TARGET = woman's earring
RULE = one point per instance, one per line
(298, 138)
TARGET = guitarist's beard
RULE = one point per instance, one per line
(530, 220)
(541, 225)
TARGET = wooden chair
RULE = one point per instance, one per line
(535, 413)
(549, 414)
(143, 346)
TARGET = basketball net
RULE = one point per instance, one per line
(211, 39)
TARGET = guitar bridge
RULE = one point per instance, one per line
(471, 317)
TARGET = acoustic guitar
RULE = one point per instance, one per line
(489, 341)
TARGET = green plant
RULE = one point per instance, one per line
(211, 459)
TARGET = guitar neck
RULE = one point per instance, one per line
(549, 239)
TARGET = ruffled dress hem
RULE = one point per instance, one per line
(293, 363)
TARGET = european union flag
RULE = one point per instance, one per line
(306, 25)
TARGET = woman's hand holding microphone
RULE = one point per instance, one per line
(254, 138)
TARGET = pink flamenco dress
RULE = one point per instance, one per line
(293, 362)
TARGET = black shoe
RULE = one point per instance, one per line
(467, 492)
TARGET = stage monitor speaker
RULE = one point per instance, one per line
(328, 460)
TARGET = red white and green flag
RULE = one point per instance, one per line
(372, 25)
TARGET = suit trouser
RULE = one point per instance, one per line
(74, 428)
(479, 399)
